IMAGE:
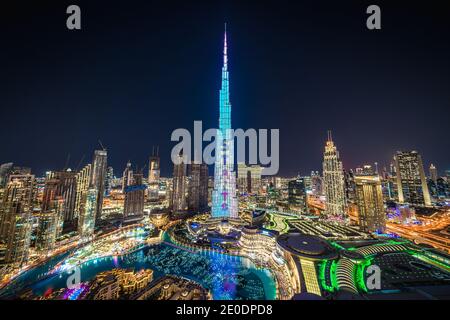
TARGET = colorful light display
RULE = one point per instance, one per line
(224, 195)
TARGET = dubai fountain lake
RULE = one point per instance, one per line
(227, 277)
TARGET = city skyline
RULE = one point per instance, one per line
(312, 99)
(352, 219)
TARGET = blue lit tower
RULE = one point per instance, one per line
(224, 201)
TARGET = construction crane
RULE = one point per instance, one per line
(79, 163)
(101, 145)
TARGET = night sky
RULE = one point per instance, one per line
(140, 69)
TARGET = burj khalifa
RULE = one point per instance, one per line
(224, 201)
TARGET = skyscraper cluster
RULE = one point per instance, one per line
(359, 196)
(69, 200)
(189, 187)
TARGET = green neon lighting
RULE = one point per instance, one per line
(430, 260)
(360, 278)
(337, 246)
(332, 273)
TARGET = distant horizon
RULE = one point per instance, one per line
(441, 172)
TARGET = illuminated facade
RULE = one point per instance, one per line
(154, 175)
(198, 187)
(5, 169)
(83, 179)
(178, 200)
(98, 177)
(433, 173)
(411, 182)
(257, 244)
(15, 215)
(333, 178)
(134, 197)
(249, 178)
(61, 186)
(86, 222)
(297, 197)
(224, 201)
(304, 253)
(49, 228)
(127, 177)
(369, 199)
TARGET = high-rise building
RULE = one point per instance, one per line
(50, 225)
(411, 182)
(61, 185)
(297, 196)
(83, 178)
(316, 183)
(198, 187)
(349, 183)
(178, 200)
(154, 175)
(5, 170)
(224, 201)
(366, 170)
(51, 217)
(153, 167)
(134, 197)
(109, 180)
(98, 177)
(127, 177)
(369, 200)
(15, 217)
(86, 223)
(308, 182)
(333, 178)
(249, 178)
(433, 173)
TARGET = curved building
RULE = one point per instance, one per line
(304, 253)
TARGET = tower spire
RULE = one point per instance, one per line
(225, 48)
(330, 138)
(224, 201)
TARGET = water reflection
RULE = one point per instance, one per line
(228, 277)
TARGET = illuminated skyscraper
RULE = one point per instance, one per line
(98, 177)
(83, 180)
(5, 169)
(178, 200)
(50, 225)
(86, 223)
(224, 201)
(316, 183)
(15, 217)
(61, 186)
(134, 197)
(411, 183)
(198, 187)
(109, 180)
(153, 167)
(297, 195)
(249, 178)
(127, 177)
(433, 173)
(333, 178)
(153, 175)
(369, 199)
